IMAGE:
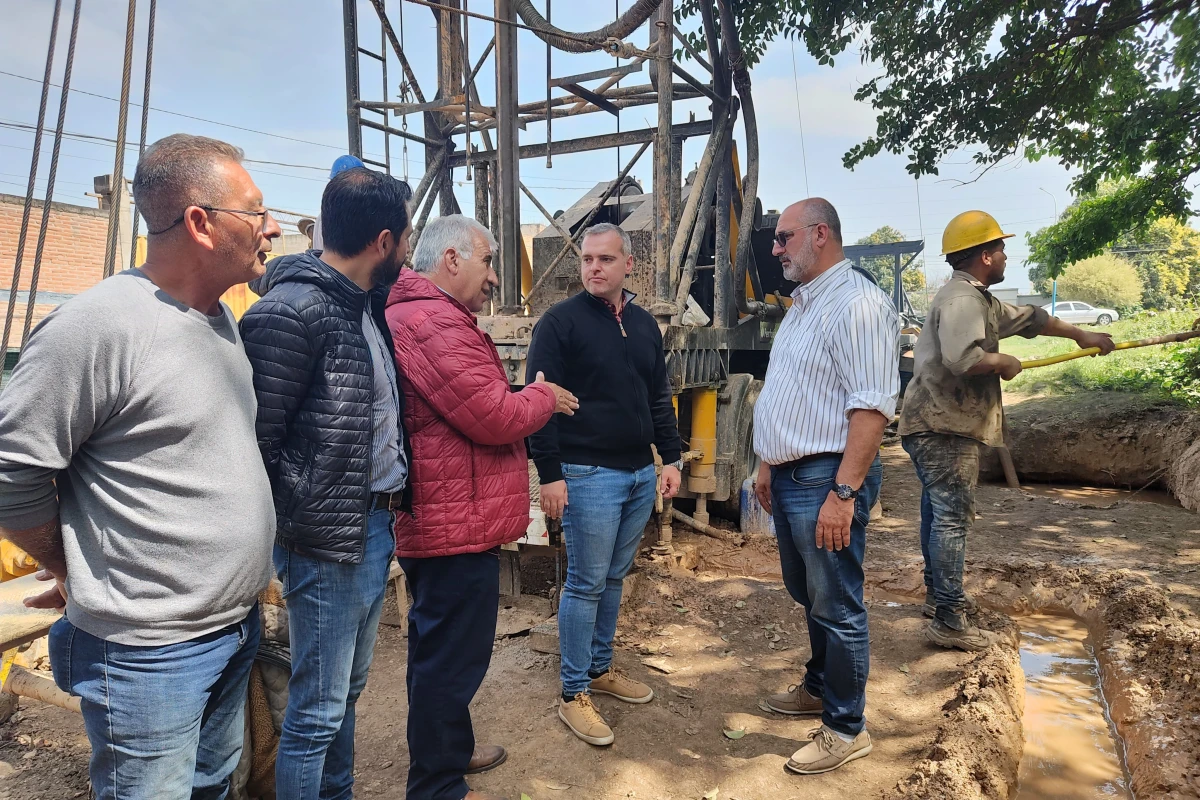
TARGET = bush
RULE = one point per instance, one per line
(1105, 280)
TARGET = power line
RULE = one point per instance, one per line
(184, 116)
(88, 138)
(799, 116)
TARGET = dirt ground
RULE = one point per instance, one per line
(725, 633)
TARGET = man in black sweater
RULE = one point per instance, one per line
(597, 468)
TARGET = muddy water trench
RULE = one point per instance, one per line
(1071, 749)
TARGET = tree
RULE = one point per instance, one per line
(1110, 88)
(1106, 280)
(884, 267)
(1167, 258)
(1165, 253)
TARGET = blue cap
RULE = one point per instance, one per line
(344, 163)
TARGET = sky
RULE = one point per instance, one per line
(269, 76)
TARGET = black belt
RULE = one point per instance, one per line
(806, 460)
(387, 501)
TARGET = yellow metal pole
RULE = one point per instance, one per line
(702, 477)
(1092, 351)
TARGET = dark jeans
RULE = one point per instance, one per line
(164, 722)
(829, 584)
(333, 620)
(451, 627)
(948, 467)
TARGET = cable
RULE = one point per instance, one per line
(45, 221)
(37, 150)
(88, 138)
(189, 116)
(803, 154)
(145, 119)
(117, 189)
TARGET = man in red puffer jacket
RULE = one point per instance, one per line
(470, 484)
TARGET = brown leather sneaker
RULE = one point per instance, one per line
(485, 757)
(619, 685)
(584, 720)
(796, 702)
(827, 751)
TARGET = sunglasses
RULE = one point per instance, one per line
(783, 237)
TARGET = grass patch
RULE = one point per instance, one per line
(1167, 370)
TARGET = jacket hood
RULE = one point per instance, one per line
(412, 286)
(306, 267)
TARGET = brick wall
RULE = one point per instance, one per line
(72, 260)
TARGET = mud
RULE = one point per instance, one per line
(1071, 752)
(945, 724)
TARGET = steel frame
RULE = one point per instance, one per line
(456, 123)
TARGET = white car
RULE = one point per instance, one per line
(1078, 313)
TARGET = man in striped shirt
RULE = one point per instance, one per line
(830, 390)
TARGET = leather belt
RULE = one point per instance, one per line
(807, 459)
(387, 501)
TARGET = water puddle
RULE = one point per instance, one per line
(1071, 751)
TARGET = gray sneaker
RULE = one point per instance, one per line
(930, 607)
(970, 638)
(827, 751)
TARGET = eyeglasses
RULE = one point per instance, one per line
(783, 237)
(264, 214)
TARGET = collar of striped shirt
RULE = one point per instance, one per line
(836, 350)
(805, 293)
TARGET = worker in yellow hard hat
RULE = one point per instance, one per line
(953, 406)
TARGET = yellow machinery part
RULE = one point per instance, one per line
(702, 477)
(14, 562)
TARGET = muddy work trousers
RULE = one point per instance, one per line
(948, 468)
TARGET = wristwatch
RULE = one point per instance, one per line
(676, 464)
(844, 492)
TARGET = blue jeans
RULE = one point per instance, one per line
(164, 722)
(948, 467)
(829, 584)
(451, 632)
(333, 617)
(607, 511)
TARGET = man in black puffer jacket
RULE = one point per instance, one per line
(330, 411)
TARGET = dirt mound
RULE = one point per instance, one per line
(978, 747)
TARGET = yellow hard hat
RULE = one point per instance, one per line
(969, 229)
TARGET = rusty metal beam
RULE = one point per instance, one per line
(587, 94)
(617, 72)
(587, 143)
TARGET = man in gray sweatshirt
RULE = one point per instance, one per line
(129, 469)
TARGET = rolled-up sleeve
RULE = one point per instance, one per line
(1027, 321)
(865, 343)
(961, 332)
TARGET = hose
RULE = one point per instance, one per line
(606, 38)
(1092, 351)
(741, 82)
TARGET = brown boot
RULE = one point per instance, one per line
(485, 757)
(795, 702)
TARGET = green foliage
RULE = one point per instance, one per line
(1106, 280)
(1168, 370)
(1109, 88)
(1166, 253)
(884, 267)
(1167, 257)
